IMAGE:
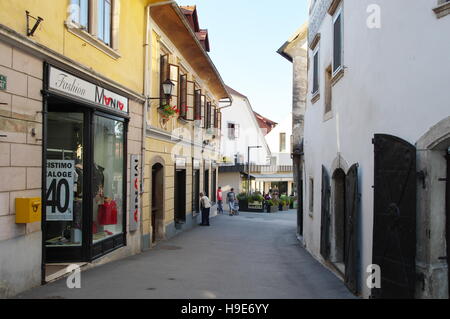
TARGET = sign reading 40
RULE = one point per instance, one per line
(59, 194)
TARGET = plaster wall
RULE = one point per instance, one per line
(392, 84)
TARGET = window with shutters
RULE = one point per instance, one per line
(282, 142)
(216, 117)
(198, 105)
(337, 40)
(164, 74)
(183, 104)
(219, 120)
(190, 104)
(203, 111)
(311, 196)
(174, 76)
(208, 115)
(233, 131)
(328, 93)
(315, 89)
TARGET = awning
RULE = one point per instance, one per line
(273, 177)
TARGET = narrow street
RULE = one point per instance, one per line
(241, 257)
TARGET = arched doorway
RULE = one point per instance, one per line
(338, 220)
(157, 203)
(433, 211)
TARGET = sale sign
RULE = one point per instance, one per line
(59, 194)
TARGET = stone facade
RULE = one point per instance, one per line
(20, 167)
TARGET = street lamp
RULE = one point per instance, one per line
(248, 176)
(167, 87)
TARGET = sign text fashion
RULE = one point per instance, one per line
(66, 83)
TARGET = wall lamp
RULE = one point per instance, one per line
(168, 87)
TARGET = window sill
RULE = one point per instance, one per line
(315, 98)
(337, 76)
(77, 31)
(182, 120)
(442, 10)
(328, 116)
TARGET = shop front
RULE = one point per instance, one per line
(85, 169)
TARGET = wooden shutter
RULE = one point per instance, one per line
(208, 115)
(174, 76)
(394, 223)
(351, 223)
(203, 111)
(213, 116)
(325, 220)
(219, 120)
(190, 102)
(216, 117)
(163, 76)
(198, 105)
(183, 96)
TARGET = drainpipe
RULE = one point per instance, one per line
(146, 94)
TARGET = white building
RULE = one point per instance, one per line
(280, 141)
(240, 130)
(377, 130)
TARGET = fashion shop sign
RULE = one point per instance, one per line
(68, 84)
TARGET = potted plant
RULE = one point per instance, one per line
(284, 203)
(272, 205)
(168, 111)
(243, 201)
(255, 202)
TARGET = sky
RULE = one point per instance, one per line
(244, 36)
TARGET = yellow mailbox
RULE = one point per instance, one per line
(28, 210)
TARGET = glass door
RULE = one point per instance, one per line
(65, 159)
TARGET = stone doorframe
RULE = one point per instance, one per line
(431, 165)
(162, 229)
(339, 163)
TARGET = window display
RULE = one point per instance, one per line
(108, 177)
(64, 179)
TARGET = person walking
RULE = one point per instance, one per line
(219, 200)
(205, 205)
(231, 200)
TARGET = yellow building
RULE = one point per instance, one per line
(72, 126)
(182, 149)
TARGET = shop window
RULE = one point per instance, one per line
(65, 179)
(104, 24)
(108, 178)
